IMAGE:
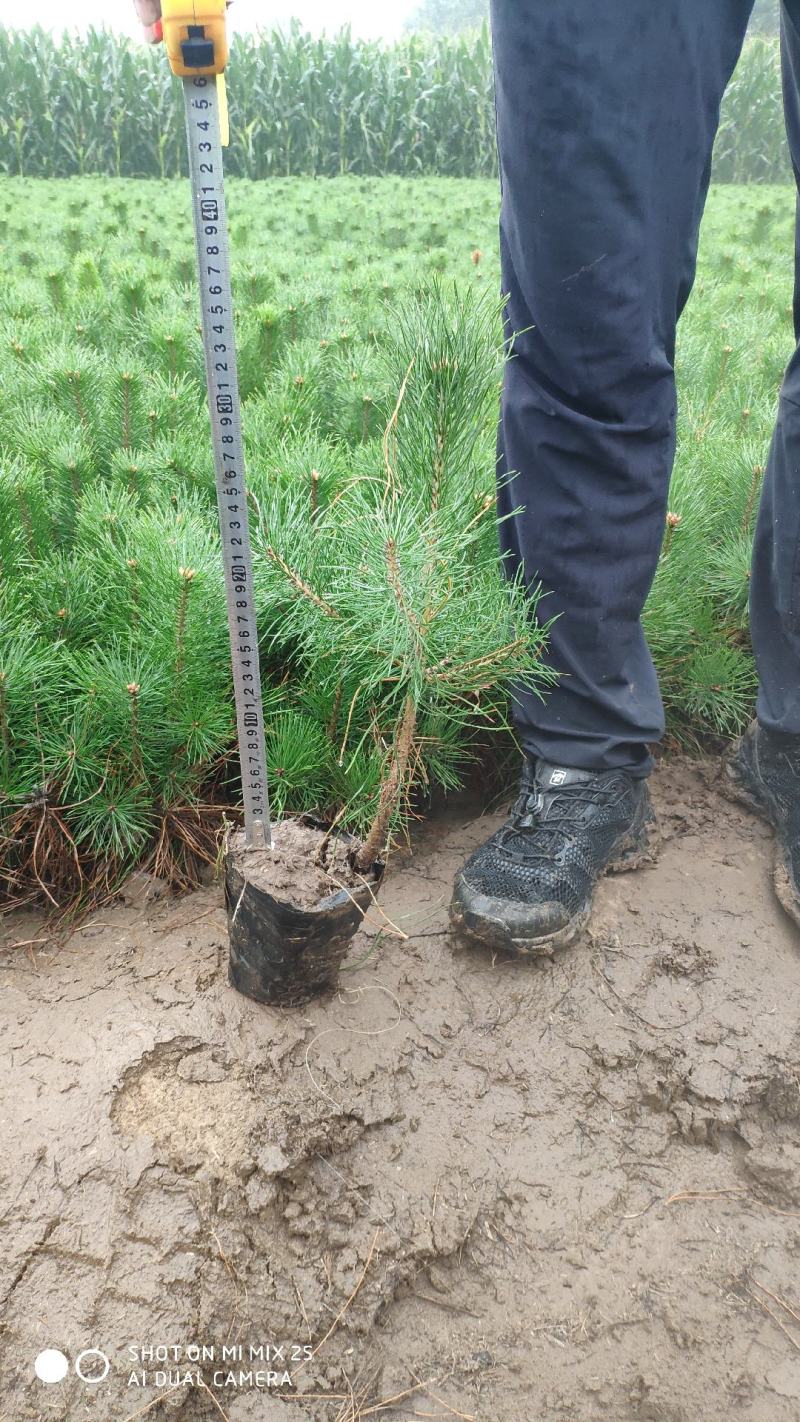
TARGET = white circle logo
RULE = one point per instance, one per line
(51, 1366)
(93, 1371)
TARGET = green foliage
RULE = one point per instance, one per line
(751, 142)
(370, 364)
(376, 558)
(303, 105)
(299, 104)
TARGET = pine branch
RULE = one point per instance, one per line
(300, 584)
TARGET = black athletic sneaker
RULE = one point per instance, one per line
(528, 889)
(765, 771)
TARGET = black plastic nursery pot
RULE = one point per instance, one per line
(284, 955)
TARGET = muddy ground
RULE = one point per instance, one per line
(504, 1191)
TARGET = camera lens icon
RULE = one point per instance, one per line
(51, 1366)
(92, 1366)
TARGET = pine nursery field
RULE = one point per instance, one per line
(370, 361)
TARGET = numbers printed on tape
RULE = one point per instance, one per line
(210, 224)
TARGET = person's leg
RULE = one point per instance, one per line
(606, 116)
(775, 576)
(765, 765)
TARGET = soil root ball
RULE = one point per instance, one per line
(293, 910)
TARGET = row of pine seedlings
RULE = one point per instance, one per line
(388, 640)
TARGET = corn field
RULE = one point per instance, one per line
(300, 105)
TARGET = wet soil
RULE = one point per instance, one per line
(303, 867)
(488, 1189)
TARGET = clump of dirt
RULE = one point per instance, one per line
(480, 1187)
(304, 867)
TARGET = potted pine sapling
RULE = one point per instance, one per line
(389, 598)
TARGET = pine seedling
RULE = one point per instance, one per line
(103, 519)
(131, 287)
(37, 852)
(202, 726)
(728, 577)
(115, 822)
(25, 515)
(167, 342)
(299, 762)
(21, 340)
(175, 408)
(390, 590)
(181, 607)
(32, 428)
(721, 685)
(67, 598)
(263, 429)
(25, 300)
(137, 471)
(252, 286)
(260, 341)
(69, 468)
(56, 285)
(128, 691)
(181, 465)
(125, 407)
(447, 392)
(339, 392)
(72, 377)
(445, 633)
(90, 321)
(87, 276)
(303, 388)
(30, 675)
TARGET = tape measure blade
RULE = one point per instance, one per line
(216, 305)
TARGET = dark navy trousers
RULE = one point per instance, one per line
(606, 117)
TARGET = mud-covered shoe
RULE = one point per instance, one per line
(765, 773)
(528, 889)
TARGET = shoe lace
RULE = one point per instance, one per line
(542, 836)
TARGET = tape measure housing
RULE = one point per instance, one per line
(195, 36)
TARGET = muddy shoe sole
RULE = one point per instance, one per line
(748, 788)
(484, 919)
